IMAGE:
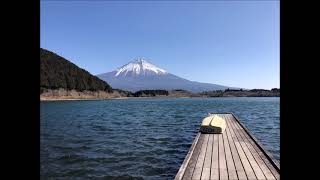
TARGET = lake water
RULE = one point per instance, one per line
(139, 138)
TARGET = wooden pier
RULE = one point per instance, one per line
(235, 154)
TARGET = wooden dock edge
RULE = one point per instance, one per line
(185, 163)
(269, 156)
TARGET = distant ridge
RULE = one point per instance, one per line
(57, 72)
(140, 74)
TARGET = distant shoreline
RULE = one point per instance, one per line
(74, 95)
(79, 99)
(92, 99)
(123, 98)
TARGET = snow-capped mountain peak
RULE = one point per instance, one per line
(140, 74)
(139, 66)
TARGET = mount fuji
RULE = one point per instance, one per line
(143, 75)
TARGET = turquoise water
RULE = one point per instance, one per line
(139, 138)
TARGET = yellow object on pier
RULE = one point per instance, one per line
(213, 124)
(227, 156)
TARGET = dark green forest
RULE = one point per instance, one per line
(151, 93)
(57, 72)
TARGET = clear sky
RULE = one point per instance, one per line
(232, 43)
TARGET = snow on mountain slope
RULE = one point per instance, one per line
(139, 67)
(142, 75)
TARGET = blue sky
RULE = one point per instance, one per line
(234, 43)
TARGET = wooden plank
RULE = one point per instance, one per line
(255, 166)
(199, 165)
(214, 175)
(237, 162)
(207, 162)
(246, 165)
(230, 163)
(255, 152)
(235, 154)
(222, 159)
(270, 166)
(267, 154)
(186, 161)
(193, 159)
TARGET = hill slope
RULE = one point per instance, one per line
(57, 72)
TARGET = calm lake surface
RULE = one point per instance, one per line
(139, 138)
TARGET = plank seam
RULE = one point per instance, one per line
(232, 155)
(229, 132)
(241, 140)
(269, 156)
(242, 145)
(211, 156)
(197, 158)
(218, 158)
(254, 149)
(205, 155)
(225, 155)
(200, 141)
(243, 151)
(182, 169)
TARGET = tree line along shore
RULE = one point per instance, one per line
(63, 94)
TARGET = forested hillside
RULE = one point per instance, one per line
(57, 72)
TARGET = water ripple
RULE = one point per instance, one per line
(138, 138)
